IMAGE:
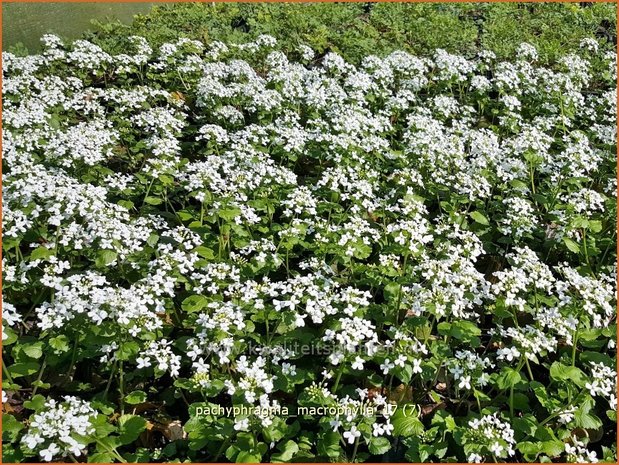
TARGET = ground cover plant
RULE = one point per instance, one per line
(407, 259)
(355, 30)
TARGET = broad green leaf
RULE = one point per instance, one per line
(571, 245)
(10, 428)
(130, 427)
(194, 303)
(40, 253)
(136, 397)
(105, 257)
(561, 372)
(478, 217)
(379, 445)
(33, 350)
(288, 450)
(23, 369)
(329, 444)
(153, 200)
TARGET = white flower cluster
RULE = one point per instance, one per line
(10, 317)
(356, 410)
(527, 340)
(468, 369)
(495, 435)
(254, 381)
(604, 383)
(577, 452)
(227, 193)
(160, 355)
(54, 429)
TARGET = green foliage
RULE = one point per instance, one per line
(490, 337)
(360, 29)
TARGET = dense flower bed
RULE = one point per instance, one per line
(409, 260)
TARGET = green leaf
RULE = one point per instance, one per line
(526, 424)
(507, 378)
(106, 443)
(596, 357)
(60, 343)
(561, 372)
(478, 217)
(153, 200)
(184, 215)
(248, 457)
(130, 427)
(379, 446)
(152, 239)
(231, 452)
(40, 253)
(23, 369)
(128, 204)
(288, 450)
(105, 257)
(444, 328)
(10, 428)
(36, 403)
(194, 303)
(582, 417)
(205, 252)
(553, 448)
(136, 397)
(404, 373)
(329, 444)
(425, 450)
(41, 384)
(530, 449)
(101, 457)
(128, 350)
(464, 330)
(229, 213)
(33, 350)
(391, 291)
(12, 454)
(406, 425)
(542, 396)
(595, 226)
(571, 245)
(103, 406)
(9, 335)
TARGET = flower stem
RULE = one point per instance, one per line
(354, 451)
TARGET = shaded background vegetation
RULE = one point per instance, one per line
(359, 29)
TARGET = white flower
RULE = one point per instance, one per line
(352, 435)
(496, 448)
(289, 369)
(386, 366)
(377, 430)
(241, 425)
(400, 360)
(508, 353)
(335, 424)
(465, 382)
(417, 366)
(358, 363)
(33, 440)
(49, 453)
